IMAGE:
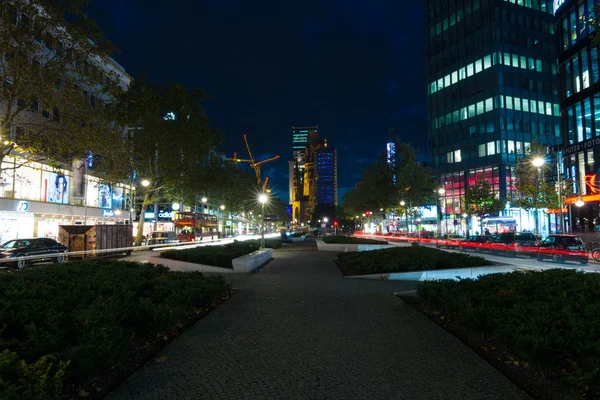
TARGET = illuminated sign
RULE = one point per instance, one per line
(588, 144)
(165, 214)
(22, 206)
(108, 213)
(590, 181)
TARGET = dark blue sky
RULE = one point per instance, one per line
(354, 68)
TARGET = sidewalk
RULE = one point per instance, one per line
(298, 330)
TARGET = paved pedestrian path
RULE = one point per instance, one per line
(298, 330)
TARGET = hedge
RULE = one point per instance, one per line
(405, 259)
(64, 324)
(219, 256)
(548, 317)
(350, 240)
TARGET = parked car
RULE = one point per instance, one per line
(162, 237)
(450, 241)
(515, 243)
(563, 247)
(40, 249)
(475, 243)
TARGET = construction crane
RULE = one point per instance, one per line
(254, 164)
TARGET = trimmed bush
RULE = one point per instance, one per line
(70, 322)
(548, 317)
(405, 259)
(351, 240)
(219, 256)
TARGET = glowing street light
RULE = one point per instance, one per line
(325, 219)
(262, 199)
(538, 162)
(204, 200)
(579, 202)
(175, 206)
(145, 183)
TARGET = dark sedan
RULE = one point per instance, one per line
(563, 247)
(20, 252)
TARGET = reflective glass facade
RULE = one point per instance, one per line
(327, 176)
(580, 107)
(492, 90)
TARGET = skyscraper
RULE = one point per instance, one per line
(492, 91)
(300, 143)
(327, 176)
(313, 174)
(580, 108)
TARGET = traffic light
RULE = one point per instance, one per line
(335, 223)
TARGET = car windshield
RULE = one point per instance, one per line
(16, 244)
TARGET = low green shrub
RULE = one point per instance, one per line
(548, 317)
(405, 259)
(350, 240)
(219, 256)
(69, 322)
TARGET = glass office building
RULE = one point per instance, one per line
(579, 108)
(492, 91)
(327, 176)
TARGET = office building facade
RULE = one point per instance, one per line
(580, 109)
(327, 176)
(492, 91)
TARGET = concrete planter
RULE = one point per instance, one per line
(438, 274)
(241, 264)
(298, 239)
(252, 261)
(343, 248)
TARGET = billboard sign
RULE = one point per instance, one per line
(58, 188)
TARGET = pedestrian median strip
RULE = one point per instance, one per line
(415, 264)
(343, 244)
(236, 257)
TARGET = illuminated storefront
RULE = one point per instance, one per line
(36, 199)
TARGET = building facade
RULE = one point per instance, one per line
(579, 109)
(313, 175)
(327, 176)
(492, 91)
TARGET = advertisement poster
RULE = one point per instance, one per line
(104, 196)
(78, 180)
(58, 188)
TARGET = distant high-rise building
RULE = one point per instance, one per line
(390, 150)
(300, 143)
(492, 90)
(327, 175)
(313, 174)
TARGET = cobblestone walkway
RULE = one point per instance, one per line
(298, 330)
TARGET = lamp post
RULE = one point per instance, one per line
(402, 204)
(537, 162)
(441, 192)
(262, 199)
(222, 208)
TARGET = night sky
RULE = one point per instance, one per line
(354, 68)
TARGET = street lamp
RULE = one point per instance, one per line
(537, 162)
(145, 183)
(262, 199)
(441, 192)
(579, 202)
(175, 206)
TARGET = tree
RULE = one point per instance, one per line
(480, 199)
(168, 138)
(55, 81)
(416, 183)
(376, 189)
(534, 191)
